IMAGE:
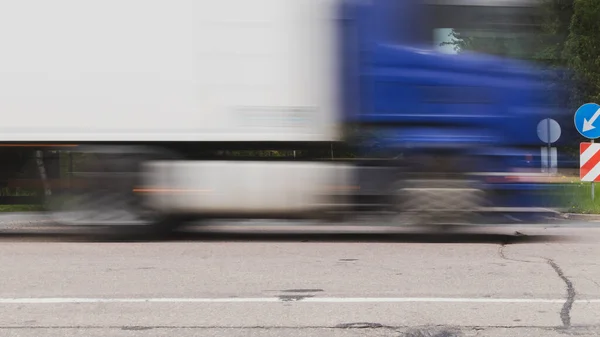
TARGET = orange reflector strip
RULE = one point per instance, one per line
(169, 190)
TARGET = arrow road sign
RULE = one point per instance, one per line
(589, 125)
(585, 120)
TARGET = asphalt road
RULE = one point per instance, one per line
(286, 281)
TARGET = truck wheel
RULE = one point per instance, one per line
(104, 196)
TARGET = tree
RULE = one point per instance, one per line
(582, 50)
(537, 34)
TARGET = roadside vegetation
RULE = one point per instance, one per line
(577, 198)
(19, 208)
(18, 192)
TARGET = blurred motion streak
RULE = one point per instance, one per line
(168, 190)
(281, 108)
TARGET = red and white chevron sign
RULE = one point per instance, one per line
(589, 162)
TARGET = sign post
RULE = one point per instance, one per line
(548, 130)
(585, 123)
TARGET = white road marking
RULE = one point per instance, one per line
(286, 298)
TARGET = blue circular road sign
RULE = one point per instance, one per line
(587, 120)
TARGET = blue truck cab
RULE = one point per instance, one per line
(439, 116)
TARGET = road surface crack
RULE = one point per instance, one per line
(293, 298)
(594, 282)
(565, 313)
(504, 257)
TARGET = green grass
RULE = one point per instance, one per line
(578, 198)
(20, 208)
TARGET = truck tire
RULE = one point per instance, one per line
(107, 198)
(433, 191)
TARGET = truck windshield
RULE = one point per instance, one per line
(468, 25)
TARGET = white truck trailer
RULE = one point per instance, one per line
(148, 79)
